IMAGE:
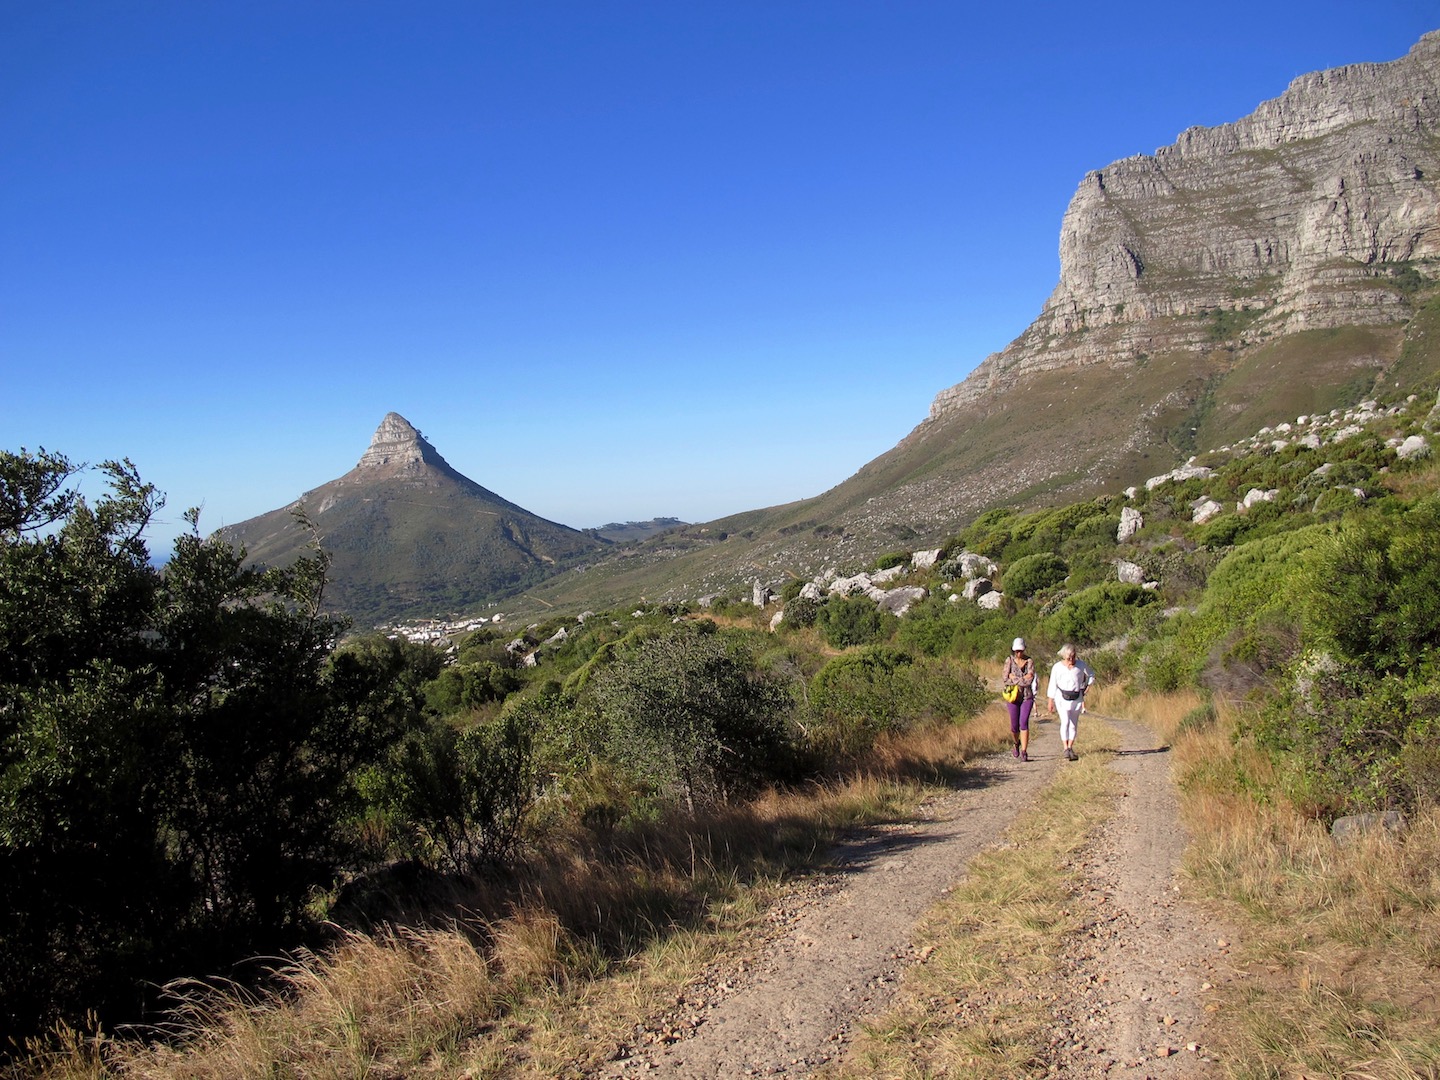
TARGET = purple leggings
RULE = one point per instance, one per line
(1020, 714)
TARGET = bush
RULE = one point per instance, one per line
(1025, 577)
(856, 697)
(459, 795)
(1374, 590)
(854, 620)
(691, 714)
(889, 559)
(801, 612)
(1098, 613)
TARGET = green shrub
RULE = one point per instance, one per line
(801, 612)
(1093, 615)
(854, 620)
(691, 714)
(857, 696)
(1373, 591)
(1033, 573)
(889, 559)
(460, 794)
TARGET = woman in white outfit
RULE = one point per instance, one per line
(1069, 679)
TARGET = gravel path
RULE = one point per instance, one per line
(1129, 998)
(1132, 989)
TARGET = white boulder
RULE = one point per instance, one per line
(1131, 522)
(1204, 510)
(924, 560)
(1128, 572)
(1413, 448)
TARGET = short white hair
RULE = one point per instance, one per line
(1066, 650)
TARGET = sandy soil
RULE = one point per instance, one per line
(1128, 999)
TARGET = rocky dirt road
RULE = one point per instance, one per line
(1129, 996)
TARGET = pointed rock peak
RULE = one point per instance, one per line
(397, 447)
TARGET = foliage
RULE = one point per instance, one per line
(854, 620)
(801, 612)
(1031, 574)
(461, 793)
(1093, 615)
(890, 559)
(178, 735)
(1373, 592)
(689, 712)
(859, 695)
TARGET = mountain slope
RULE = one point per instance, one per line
(407, 533)
(1284, 264)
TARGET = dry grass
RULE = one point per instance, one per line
(540, 975)
(1343, 939)
(968, 1009)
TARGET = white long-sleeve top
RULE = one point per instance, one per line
(1065, 677)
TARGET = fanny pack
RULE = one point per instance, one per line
(1072, 695)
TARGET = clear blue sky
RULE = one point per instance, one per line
(615, 259)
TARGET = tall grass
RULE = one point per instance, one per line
(1343, 938)
(541, 973)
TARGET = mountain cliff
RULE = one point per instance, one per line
(407, 533)
(1277, 265)
(1280, 265)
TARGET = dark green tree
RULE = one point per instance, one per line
(177, 754)
(691, 712)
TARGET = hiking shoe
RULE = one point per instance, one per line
(1015, 752)
(1024, 756)
(1069, 754)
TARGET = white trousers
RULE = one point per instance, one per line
(1069, 713)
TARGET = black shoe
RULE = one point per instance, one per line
(1070, 754)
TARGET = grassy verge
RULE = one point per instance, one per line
(1344, 939)
(543, 974)
(968, 1009)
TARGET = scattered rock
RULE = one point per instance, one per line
(1131, 521)
(977, 587)
(1413, 448)
(1128, 572)
(1204, 510)
(924, 560)
(1357, 825)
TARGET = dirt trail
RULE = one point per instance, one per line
(841, 941)
(1131, 994)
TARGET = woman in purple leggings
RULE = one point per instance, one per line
(1020, 672)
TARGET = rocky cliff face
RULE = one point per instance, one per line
(1284, 264)
(1289, 219)
(397, 449)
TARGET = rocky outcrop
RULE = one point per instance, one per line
(1278, 222)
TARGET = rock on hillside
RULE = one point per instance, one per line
(407, 533)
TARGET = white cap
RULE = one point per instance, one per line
(1018, 643)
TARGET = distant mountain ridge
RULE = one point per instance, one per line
(409, 534)
(624, 532)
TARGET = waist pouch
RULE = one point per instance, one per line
(1072, 695)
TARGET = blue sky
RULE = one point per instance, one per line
(615, 259)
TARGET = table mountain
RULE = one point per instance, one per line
(1248, 273)
(1280, 265)
(407, 533)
